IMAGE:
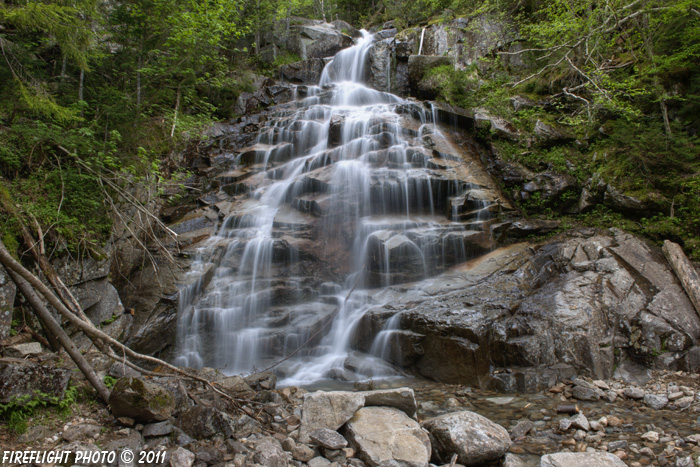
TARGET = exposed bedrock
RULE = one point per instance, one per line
(522, 316)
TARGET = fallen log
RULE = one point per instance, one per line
(685, 271)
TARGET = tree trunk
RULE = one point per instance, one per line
(664, 112)
(685, 271)
(81, 88)
(55, 329)
(138, 83)
(177, 108)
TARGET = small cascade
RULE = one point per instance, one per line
(422, 35)
(345, 191)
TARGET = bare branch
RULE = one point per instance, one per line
(542, 70)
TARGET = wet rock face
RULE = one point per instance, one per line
(567, 306)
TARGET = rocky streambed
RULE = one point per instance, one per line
(640, 418)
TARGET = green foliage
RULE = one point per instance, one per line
(21, 409)
(109, 381)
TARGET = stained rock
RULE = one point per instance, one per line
(381, 435)
(327, 410)
(475, 439)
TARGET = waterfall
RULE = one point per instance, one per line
(422, 35)
(346, 190)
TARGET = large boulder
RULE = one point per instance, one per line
(141, 400)
(327, 410)
(387, 436)
(475, 439)
(20, 378)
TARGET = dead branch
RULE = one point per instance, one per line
(99, 337)
(54, 328)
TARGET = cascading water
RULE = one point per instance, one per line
(345, 190)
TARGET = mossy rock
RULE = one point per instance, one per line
(141, 400)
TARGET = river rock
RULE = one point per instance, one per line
(302, 453)
(633, 393)
(475, 439)
(21, 378)
(329, 439)
(141, 400)
(381, 435)
(329, 410)
(580, 421)
(656, 402)
(268, 452)
(182, 458)
(400, 398)
(581, 459)
(204, 422)
(584, 393)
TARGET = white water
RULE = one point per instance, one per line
(422, 35)
(380, 190)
